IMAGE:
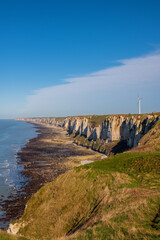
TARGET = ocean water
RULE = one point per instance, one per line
(13, 137)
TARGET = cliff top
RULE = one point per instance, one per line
(96, 120)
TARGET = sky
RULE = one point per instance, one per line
(83, 57)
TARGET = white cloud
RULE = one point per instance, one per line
(112, 90)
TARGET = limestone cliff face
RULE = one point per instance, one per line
(112, 128)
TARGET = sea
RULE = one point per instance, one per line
(13, 137)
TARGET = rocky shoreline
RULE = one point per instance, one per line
(44, 158)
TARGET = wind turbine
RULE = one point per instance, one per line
(139, 105)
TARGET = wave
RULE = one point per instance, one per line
(4, 165)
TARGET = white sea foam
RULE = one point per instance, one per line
(5, 173)
(15, 147)
(4, 164)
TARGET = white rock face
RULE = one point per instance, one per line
(14, 228)
(112, 129)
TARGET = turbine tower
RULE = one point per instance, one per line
(139, 105)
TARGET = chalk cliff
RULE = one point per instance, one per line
(106, 128)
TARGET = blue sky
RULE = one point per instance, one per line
(53, 54)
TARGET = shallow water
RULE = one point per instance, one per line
(13, 136)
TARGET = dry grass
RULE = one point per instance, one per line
(116, 198)
(6, 236)
(88, 200)
(60, 204)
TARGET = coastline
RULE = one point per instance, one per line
(44, 158)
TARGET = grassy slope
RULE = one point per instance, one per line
(116, 198)
(5, 236)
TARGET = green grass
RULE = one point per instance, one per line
(5, 236)
(96, 120)
(115, 198)
(130, 163)
(101, 200)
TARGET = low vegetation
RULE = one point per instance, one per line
(6, 236)
(115, 198)
(96, 120)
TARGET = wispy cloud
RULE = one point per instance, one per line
(111, 90)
